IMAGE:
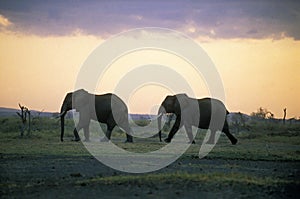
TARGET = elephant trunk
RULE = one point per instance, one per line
(62, 122)
(161, 111)
(66, 106)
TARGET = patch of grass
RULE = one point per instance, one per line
(142, 122)
(277, 148)
(281, 143)
(141, 147)
(41, 145)
(182, 177)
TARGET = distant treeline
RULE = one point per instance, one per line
(233, 117)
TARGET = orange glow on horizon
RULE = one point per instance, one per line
(39, 71)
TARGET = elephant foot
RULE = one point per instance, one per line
(210, 141)
(86, 140)
(128, 141)
(76, 139)
(233, 142)
(193, 142)
(167, 140)
(104, 139)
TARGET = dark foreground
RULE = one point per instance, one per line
(264, 164)
(26, 176)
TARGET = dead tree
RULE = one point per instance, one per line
(284, 115)
(23, 115)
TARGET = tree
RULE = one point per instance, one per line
(262, 113)
(284, 115)
(23, 115)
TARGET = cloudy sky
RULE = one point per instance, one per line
(254, 44)
(216, 19)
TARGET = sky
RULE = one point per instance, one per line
(255, 45)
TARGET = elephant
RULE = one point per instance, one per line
(195, 112)
(107, 108)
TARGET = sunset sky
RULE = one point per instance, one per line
(255, 45)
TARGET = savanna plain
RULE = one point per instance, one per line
(265, 163)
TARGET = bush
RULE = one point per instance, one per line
(13, 124)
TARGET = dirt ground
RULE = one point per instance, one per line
(49, 176)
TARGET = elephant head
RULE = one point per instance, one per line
(172, 104)
(73, 100)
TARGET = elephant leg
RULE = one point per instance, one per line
(108, 134)
(159, 135)
(80, 125)
(122, 122)
(128, 132)
(174, 129)
(128, 138)
(188, 129)
(125, 126)
(109, 130)
(76, 135)
(110, 127)
(228, 134)
(86, 133)
(78, 128)
(84, 122)
(212, 136)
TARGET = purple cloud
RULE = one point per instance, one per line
(217, 19)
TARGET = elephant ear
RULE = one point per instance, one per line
(182, 101)
(80, 99)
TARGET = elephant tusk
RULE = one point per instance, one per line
(155, 117)
(61, 114)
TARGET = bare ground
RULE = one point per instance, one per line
(60, 176)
